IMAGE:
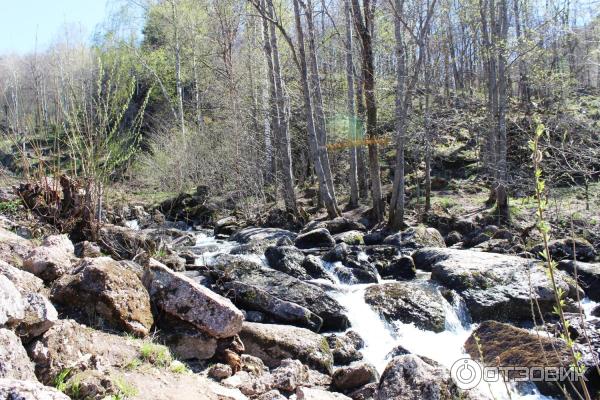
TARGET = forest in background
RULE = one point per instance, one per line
(370, 102)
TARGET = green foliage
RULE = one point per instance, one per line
(178, 367)
(155, 354)
(60, 380)
(10, 207)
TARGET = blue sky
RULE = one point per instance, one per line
(21, 19)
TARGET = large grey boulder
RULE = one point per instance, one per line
(52, 259)
(354, 376)
(69, 344)
(102, 287)
(409, 302)
(408, 377)
(13, 248)
(500, 344)
(287, 259)
(588, 276)
(335, 226)
(253, 234)
(15, 389)
(345, 347)
(275, 343)
(313, 239)
(305, 393)
(562, 249)
(229, 268)
(251, 298)
(12, 305)
(182, 297)
(495, 286)
(14, 362)
(38, 314)
(416, 238)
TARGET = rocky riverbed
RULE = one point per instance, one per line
(160, 310)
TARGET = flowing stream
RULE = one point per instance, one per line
(380, 337)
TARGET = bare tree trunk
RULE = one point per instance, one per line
(352, 122)
(178, 86)
(524, 91)
(283, 134)
(396, 217)
(363, 179)
(428, 137)
(315, 149)
(271, 119)
(365, 28)
(502, 180)
(488, 34)
(319, 114)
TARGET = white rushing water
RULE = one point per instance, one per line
(380, 338)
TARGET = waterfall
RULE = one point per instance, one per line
(380, 337)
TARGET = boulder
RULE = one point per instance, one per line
(340, 252)
(181, 297)
(453, 238)
(248, 235)
(12, 304)
(71, 345)
(13, 248)
(408, 377)
(562, 249)
(184, 340)
(287, 259)
(272, 395)
(14, 362)
(416, 238)
(314, 239)
(102, 287)
(226, 226)
(313, 266)
(172, 261)
(219, 371)
(289, 375)
(335, 226)
(350, 237)
(38, 313)
(402, 268)
(60, 241)
(508, 346)
(229, 268)
(24, 281)
(14, 389)
(305, 393)
(275, 343)
(495, 286)
(87, 249)
(354, 376)
(588, 276)
(417, 303)
(252, 298)
(125, 243)
(362, 271)
(345, 347)
(52, 259)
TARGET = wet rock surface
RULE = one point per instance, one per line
(282, 286)
(417, 303)
(274, 343)
(409, 377)
(494, 285)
